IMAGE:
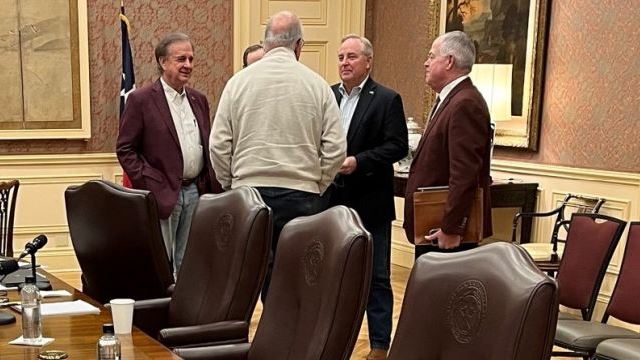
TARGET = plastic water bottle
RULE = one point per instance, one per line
(108, 344)
(31, 319)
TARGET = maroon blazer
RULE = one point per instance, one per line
(149, 150)
(455, 151)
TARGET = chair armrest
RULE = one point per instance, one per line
(226, 352)
(223, 332)
(520, 215)
(151, 315)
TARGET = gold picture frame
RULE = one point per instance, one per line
(46, 71)
(505, 32)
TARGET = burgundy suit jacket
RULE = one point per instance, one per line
(455, 151)
(149, 150)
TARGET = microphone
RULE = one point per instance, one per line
(8, 266)
(33, 246)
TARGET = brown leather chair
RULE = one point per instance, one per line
(116, 237)
(618, 349)
(8, 196)
(584, 338)
(319, 288)
(591, 240)
(220, 277)
(487, 303)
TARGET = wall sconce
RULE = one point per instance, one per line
(494, 83)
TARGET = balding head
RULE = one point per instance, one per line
(283, 30)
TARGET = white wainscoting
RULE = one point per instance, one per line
(40, 207)
(620, 189)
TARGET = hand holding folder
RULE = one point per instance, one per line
(428, 211)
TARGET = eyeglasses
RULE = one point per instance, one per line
(301, 42)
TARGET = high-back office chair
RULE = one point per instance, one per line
(549, 254)
(8, 196)
(591, 240)
(317, 296)
(221, 275)
(582, 337)
(117, 239)
(487, 303)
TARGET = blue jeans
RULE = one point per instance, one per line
(380, 304)
(286, 205)
(175, 229)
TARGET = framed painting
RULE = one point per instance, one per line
(510, 38)
(45, 70)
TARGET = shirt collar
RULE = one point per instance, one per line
(170, 92)
(355, 91)
(450, 86)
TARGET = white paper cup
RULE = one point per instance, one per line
(122, 314)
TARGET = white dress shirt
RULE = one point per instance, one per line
(348, 103)
(187, 129)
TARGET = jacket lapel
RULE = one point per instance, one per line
(160, 100)
(366, 96)
(465, 83)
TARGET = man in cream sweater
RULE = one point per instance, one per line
(278, 129)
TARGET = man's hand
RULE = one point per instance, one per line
(445, 241)
(348, 166)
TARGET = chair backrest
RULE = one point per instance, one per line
(319, 289)
(117, 239)
(491, 302)
(624, 299)
(225, 260)
(8, 196)
(591, 240)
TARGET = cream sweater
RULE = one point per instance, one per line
(277, 124)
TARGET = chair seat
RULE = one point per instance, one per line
(568, 316)
(542, 251)
(586, 335)
(619, 349)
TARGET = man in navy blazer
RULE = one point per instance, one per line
(164, 139)
(454, 150)
(373, 119)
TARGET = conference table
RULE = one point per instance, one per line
(509, 193)
(76, 335)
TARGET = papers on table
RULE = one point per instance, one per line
(54, 293)
(78, 307)
(39, 342)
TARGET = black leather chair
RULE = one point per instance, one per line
(618, 349)
(318, 292)
(117, 239)
(221, 275)
(8, 196)
(487, 303)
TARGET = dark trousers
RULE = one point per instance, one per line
(380, 303)
(286, 205)
(424, 249)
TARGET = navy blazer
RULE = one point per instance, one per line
(149, 150)
(377, 137)
(455, 151)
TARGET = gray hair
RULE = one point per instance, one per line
(461, 47)
(163, 46)
(283, 30)
(367, 48)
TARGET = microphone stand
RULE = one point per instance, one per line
(42, 285)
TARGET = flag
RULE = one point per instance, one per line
(128, 82)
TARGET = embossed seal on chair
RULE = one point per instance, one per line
(466, 310)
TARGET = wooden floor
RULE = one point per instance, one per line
(399, 277)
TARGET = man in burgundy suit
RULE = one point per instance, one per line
(164, 140)
(455, 148)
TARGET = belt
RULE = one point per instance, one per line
(187, 182)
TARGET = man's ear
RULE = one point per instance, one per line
(451, 62)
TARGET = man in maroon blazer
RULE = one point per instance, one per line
(164, 140)
(455, 147)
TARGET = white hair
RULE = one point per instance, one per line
(461, 47)
(282, 36)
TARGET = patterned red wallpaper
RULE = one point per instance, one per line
(209, 23)
(591, 104)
